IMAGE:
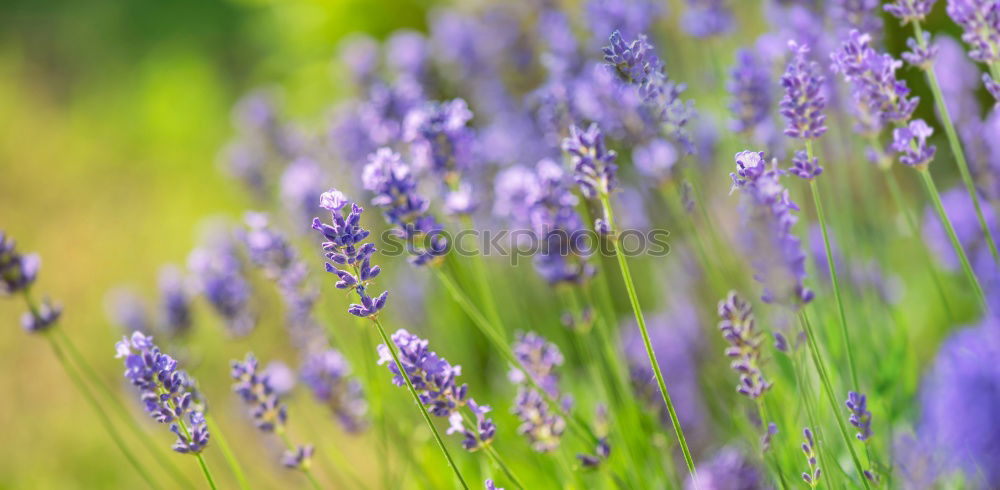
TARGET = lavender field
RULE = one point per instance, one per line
(538, 244)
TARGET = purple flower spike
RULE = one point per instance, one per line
(922, 56)
(860, 417)
(17, 271)
(43, 319)
(981, 21)
(880, 96)
(768, 216)
(345, 248)
(803, 102)
(167, 393)
(300, 458)
(992, 86)
(539, 423)
(811, 477)
(739, 329)
(440, 139)
(857, 14)
(750, 89)
(269, 413)
(707, 18)
(911, 143)
(803, 167)
(909, 10)
(594, 165)
(328, 376)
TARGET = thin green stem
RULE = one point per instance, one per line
(104, 419)
(503, 467)
(925, 177)
(834, 276)
(501, 346)
(762, 412)
(204, 467)
(158, 453)
(830, 396)
(391, 346)
(956, 145)
(483, 281)
(806, 393)
(914, 229)
(227, 453)
(640, 319)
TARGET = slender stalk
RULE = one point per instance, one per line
(640, 319)
(204, 468)
(503, 467)
(800, 377)
(391, 346)
(834, 276)
(897, 195)
(104, 419)
(482, 280)
(831, 398)
(762, 412)
(187, 435)
(928, 181)
(227, 453)
(498, 343)
(956, 145)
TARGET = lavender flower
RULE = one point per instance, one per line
(266, 408)
(860, 417)
(300, 458)
(434, 379)
(440, 139)
(395, 190)
(959, 401)
(168, 394)
(656, 160)
(267, 248)
(594, 167)
(862, 15)
(343, 237)
(43, 317)
(768, 217)
(175, 302)
(707, 18)
(992, 86)
(911, 142)
(740, 330)
(750, 90)
(539, 359)
(921, 55)
(803, 102)
(909, 10)
(980, 19)
(637, 66)
(218, 273)
(491, 486)
(874, 86)
(17, 271)
(803, 167)
(729, 469)
(811, 477)
(328, 376)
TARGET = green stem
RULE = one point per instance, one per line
(482, 280)
(503, 466)
(914, 229)
(640, 319)
(227, 453)
(158, 453)
(928, 181)
(834, 276)
(501, 346)
(105, 420)
(187, 435)
(204, 467)
(830, 396)
(800, 380)
(762, 412)
(956, 145)
(391, 346)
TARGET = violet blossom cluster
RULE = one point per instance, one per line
(980, 21)
(269, 413)
(594, 167)
(768, 214)
(218, 272)
(350, 256)
(881, 98)
(441, 142)
(328, 376)
(811, 477)
(17, 273)
(861, 417)
(395, 189)
(909, 10)
(539, 359)
(749, 88)
(175, 316)
(804, 100)
(739, 329)
(167, 393)
(863, 15)
(435, 380)
(637, 65)
(707, 18)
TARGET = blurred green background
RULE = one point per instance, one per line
(112, 114)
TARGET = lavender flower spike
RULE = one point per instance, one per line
(803, 167)
(874, 86)
(270, 415)
(327, 375)
(911, 142)
(811, 477)
(860, 417)
(981, 21)
(750, 90)
(168, 394)
(909, 10)
(542, 427)
(17, 271)
(804, 101)
(353, 263)
(739, 329)
(593, 164)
